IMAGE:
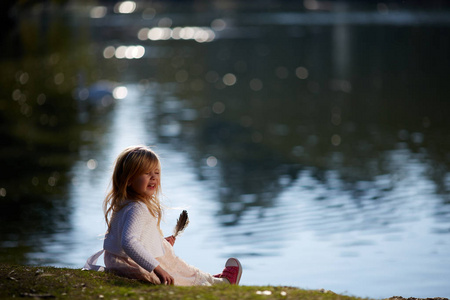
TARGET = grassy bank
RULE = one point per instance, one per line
(62, 283)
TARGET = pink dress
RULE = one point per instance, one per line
(183, 273)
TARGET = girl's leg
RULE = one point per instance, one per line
(128, 268)
(183, 273)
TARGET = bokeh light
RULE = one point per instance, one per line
(229, 79)
(211, 161)
(98, 12)
(125, 7)
(163, 33)
(124, 52)
(120, 92)
(302, 72)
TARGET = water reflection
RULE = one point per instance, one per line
(43, 127)
(320, 119)
(324, 132)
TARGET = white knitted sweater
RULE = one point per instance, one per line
(134, 233)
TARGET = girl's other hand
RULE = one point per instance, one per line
(163, 276)
(171, 240)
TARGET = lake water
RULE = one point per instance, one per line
(311, 144)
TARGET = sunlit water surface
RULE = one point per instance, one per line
(314, 236)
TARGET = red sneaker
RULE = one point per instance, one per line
(232, 271)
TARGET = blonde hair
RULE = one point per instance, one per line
(132, 162)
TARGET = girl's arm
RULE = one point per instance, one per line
(131, 244)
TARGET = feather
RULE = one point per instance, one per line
(182, 223)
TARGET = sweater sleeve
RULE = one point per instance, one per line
(133, 228)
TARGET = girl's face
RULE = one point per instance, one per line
(146, 184)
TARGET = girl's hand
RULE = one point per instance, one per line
(163, 276)
(171, 240)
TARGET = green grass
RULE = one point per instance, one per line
(63, 283)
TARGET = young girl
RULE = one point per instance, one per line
(134, 245)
